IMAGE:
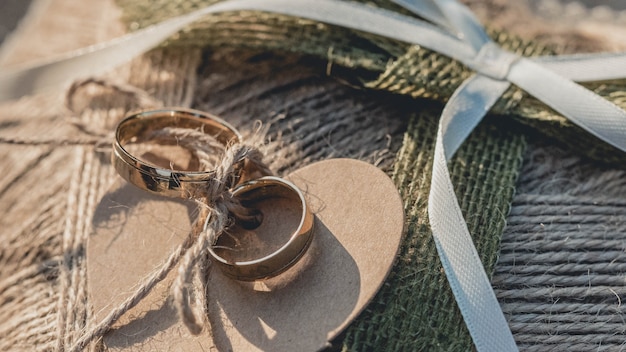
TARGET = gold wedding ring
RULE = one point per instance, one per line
(140, 127)
(281, 198)
(281, 259)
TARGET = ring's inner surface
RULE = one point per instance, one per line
(151, 138)
(281, 213)
(171, 157)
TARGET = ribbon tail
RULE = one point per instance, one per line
(87, 61)
(586, 67)
(466, 275)
(99, 58)
(598, 116)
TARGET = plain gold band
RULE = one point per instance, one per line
(286, 256)
(172, 183)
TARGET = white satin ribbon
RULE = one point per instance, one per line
(453, 31)
(468, 280)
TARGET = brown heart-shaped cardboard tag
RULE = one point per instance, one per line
(359, 223)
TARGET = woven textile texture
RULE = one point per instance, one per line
(315, 125)
(559, 275)
(387, 65)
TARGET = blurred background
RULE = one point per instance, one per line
(11, 11)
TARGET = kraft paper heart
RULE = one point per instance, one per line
(358, 228)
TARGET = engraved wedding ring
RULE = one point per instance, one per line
(284, 257)
(140, 127)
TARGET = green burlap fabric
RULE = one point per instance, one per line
(376, 62)
(415, 309)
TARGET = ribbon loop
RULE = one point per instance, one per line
(463, 20)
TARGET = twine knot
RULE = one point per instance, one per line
(218, 206)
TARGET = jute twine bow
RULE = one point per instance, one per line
(90, 136)
(218, 204)
(215, 201)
